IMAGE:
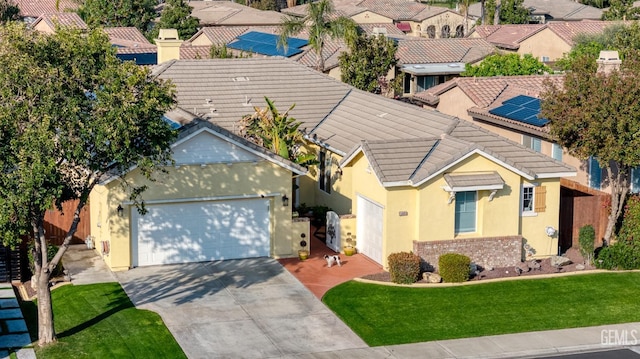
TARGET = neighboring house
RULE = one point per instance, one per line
(411, 17)
(221, 199)
(411, 179)
(229, 13)
(546, 42)
(131, 45)
(425, 63)
(30, 10)
(544, 11)
(509, 106)
(47, 23)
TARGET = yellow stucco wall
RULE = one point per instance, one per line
(201, 40)
(368, 17)
(544, 43)
(455, 103)
(447, 18)
(423, 213)
(194, 181)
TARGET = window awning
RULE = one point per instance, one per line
(404, 26)
(460, 182)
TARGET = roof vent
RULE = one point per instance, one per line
(379, 31)
(240, 79)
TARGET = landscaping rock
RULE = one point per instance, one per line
(534, 265)
(522, 268)
(431, 277)
(559, 261)
(580, 266)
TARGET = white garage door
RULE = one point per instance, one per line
(369, 229)
(200, 231)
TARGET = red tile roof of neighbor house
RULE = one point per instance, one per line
(490, 92)
(195, 52)
(35, 8)
(65, 19)
(422, 50)
(510, 36)
(127, 37)
(400, 9)
(486, 91)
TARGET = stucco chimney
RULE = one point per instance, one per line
(168, 44)
(608, 61)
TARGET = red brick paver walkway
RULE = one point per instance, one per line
(314, 274)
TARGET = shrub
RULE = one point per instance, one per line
(621, 255)
(586, 239)
(404, 267)
(454, 267)
(51, 252)
(630, 228)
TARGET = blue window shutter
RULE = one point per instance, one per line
(556, 152)
(536, 144)
(595, 173)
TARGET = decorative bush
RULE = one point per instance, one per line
(454, 267)
(404, 267)
(51, 252)
(586, 238)
(625, 253)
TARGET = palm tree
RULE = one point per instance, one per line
(321, 23)
(278, 132)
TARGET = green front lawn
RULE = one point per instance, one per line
(387, 315)
(99, 321)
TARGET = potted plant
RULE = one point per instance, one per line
(350, 247)
(303, 253)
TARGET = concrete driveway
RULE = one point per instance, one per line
(251, 308)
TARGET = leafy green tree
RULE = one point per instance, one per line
(621, 10)
(368, 60)
(176, 14)
(505, 12)
(114, 13)
(8, 11)
(222, 52)
(321, 23)
(71, 113)
(513, 12)
(596, 115)
(506, 65)
(276, 131)
(620, 37)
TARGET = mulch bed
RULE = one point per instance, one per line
(505, 272)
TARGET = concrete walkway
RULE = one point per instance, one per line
(14, 336)
(523, 345)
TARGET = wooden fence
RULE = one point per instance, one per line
(57, 223)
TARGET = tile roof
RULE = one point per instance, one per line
(510, 36)
(331, 50)
(474, 179)
(194, 52)
(63, 19)
(392, 29)
(129, 37)
(219, 12)
(398, 9)
(425, 51)
(35, 8)
(488, 93)
(557, 10)
(336, 115)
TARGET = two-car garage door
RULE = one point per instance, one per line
(200, 231)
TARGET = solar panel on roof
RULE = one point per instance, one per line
(174, 125)
(262, 48)
(272, 39)
(521, 108)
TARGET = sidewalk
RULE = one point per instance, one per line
(14, 336)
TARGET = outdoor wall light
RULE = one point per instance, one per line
(285, 200)
(550, 231)
(120, 211)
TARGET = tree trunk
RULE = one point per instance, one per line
(320, 60)
(46, 331)
(496, 15)
(619, 184)
(483, 15)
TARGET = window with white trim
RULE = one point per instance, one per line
(527, 199)
(465, 221)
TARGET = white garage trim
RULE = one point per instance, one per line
(201, 199)
(369, 228)
(198, 231)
